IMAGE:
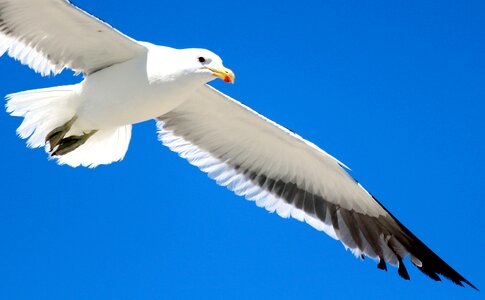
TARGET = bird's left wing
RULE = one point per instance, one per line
(50, 35)
(280, 171)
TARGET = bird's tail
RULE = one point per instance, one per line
(46, 109)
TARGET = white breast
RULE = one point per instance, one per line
(134, 91)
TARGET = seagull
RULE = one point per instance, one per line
(126, 81)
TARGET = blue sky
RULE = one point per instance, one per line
(394, 90)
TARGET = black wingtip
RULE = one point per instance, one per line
(431, 264)
(472, 286)
(401, 270)
(382, 264)
(463, 280)
(453, 276)
(468, 283)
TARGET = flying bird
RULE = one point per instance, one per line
(127, 82)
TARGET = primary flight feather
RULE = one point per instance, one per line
(127, 82)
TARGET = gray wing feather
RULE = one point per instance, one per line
(50, 35)
(255, 158)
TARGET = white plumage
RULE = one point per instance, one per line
(128, 82)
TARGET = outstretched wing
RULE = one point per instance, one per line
(50, 35)
(258, 159)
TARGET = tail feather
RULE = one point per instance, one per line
(42, 110)
(46, 109)
(104, 147)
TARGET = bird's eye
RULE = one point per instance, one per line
(202, 59)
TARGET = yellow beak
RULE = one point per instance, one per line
(224, 74)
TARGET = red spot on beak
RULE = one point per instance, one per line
(227, 79)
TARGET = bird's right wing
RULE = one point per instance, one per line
(50, 35)
(282, 172)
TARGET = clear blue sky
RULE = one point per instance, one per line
(394, 90)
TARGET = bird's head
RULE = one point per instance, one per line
(207, 63)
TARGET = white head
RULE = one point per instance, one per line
(207, 64)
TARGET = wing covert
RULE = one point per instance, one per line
(50, 35)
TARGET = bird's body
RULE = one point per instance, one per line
(127, 82)
(109, 98)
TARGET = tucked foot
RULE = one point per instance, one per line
(66, 145)
(57, 134)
